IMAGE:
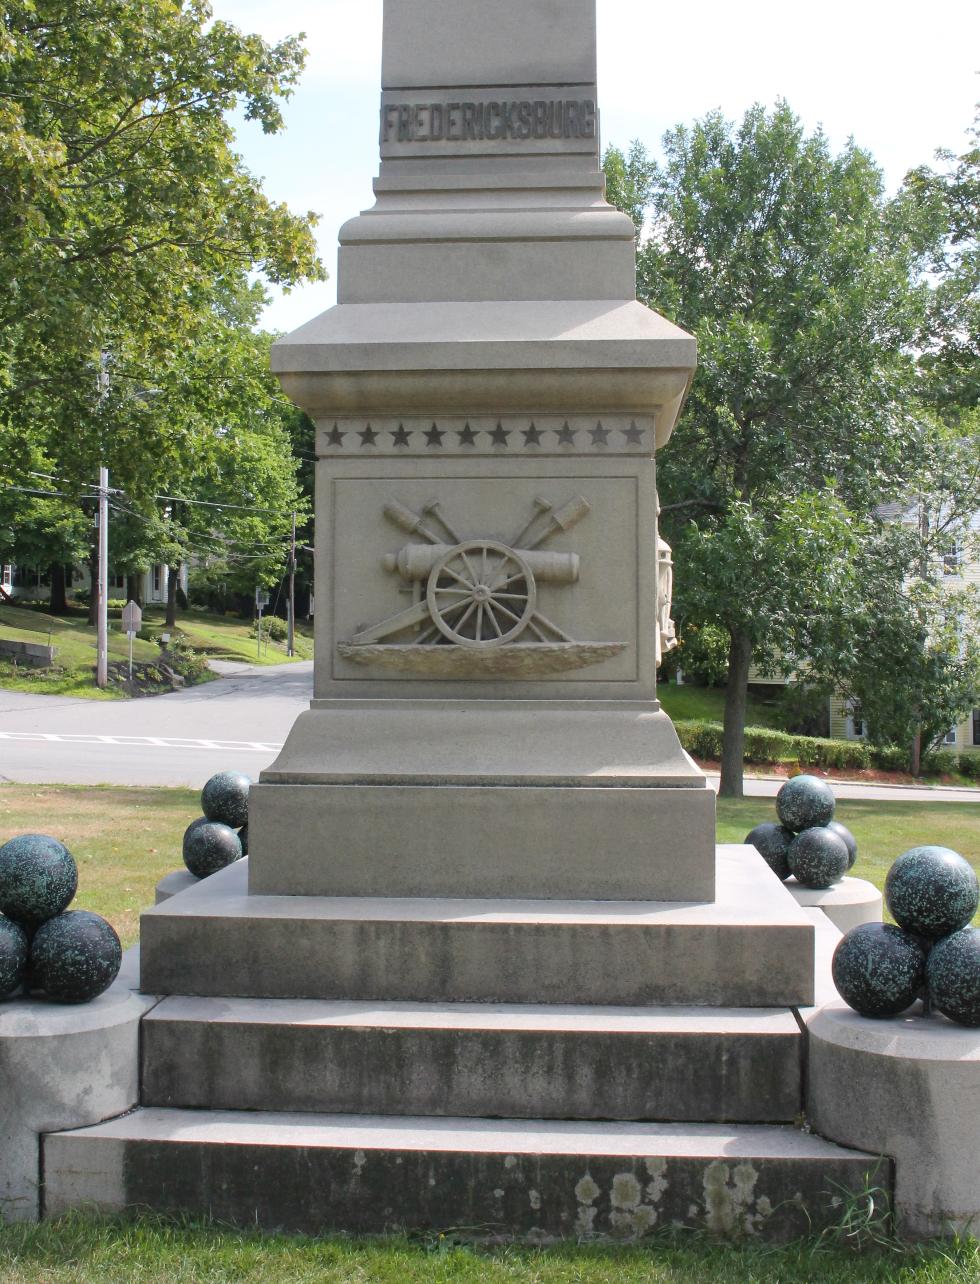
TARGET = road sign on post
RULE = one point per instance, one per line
(261, 602)
(132, 618)
(132, 622)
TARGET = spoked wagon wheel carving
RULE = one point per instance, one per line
(481, 594)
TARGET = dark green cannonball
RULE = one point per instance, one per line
(38, 878)
(805, 801)
(932, 891)
(75, 957)
(225, 798)
(879, 970)
(772, 842)
(847, 838)
(243, 839)
(953, 976)
(209, 846)
(14, 948)
(817, 857)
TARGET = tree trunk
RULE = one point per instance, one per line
(736, 698)
(173, 576)
(134, 588)
(917, 752)
(59, 589)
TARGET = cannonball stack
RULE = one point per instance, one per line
(66, 956)
(220, 836)
(933, 954)
(807, 843)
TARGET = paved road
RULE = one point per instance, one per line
(237, 723)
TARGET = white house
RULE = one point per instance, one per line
(33, 583)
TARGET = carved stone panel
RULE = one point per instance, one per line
(502, 577)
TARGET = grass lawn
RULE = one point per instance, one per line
(75, 643)
(78, 1250)
(126, 840)
(224, 637)
(707, 704)
(228, 637)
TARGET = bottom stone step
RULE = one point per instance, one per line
(491, 1179)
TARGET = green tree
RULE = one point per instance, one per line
(908, 654)
(802, 285)
(129, 230)
(953, 360)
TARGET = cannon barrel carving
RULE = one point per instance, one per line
(415, 562)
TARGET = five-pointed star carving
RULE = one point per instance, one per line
(400, 437)
(335, 437)
(599, 434)
(566, 435)
(368, 436)
(466, 435)
(434, 436)
(633, 435)
(499, 435)
(532, 436)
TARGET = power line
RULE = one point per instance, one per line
(244, 508)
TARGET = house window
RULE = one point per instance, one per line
(950, 737)
(951, 560)
(855, 725)
(976, 726)
(157, 578)
(7, 576)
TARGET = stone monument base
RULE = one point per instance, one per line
(63, 1066)
(912, 1092)
(540, 799)
(530, 1069)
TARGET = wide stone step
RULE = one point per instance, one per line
(751, 947)
(524, 1178)
(738, 1065)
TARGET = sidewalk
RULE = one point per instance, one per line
(769, 787)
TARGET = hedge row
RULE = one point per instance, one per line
(765, 745)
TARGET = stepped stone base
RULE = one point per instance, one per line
(468, 1059)
(461, 798)
(752, 947)
(496, 1180)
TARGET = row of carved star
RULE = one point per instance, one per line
(499, 436)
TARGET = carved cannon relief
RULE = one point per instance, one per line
(475, 608)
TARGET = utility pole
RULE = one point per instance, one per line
(291, 636)
(102, 599)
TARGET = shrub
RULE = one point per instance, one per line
(940, 762)
(813, 751)
(272, 627)
(700, 739)
(890, 758)
(970, 765)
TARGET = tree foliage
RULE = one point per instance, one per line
(802, 284)
(132, 239)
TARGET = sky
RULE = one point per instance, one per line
(900, 78)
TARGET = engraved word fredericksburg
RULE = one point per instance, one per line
(518, 120)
